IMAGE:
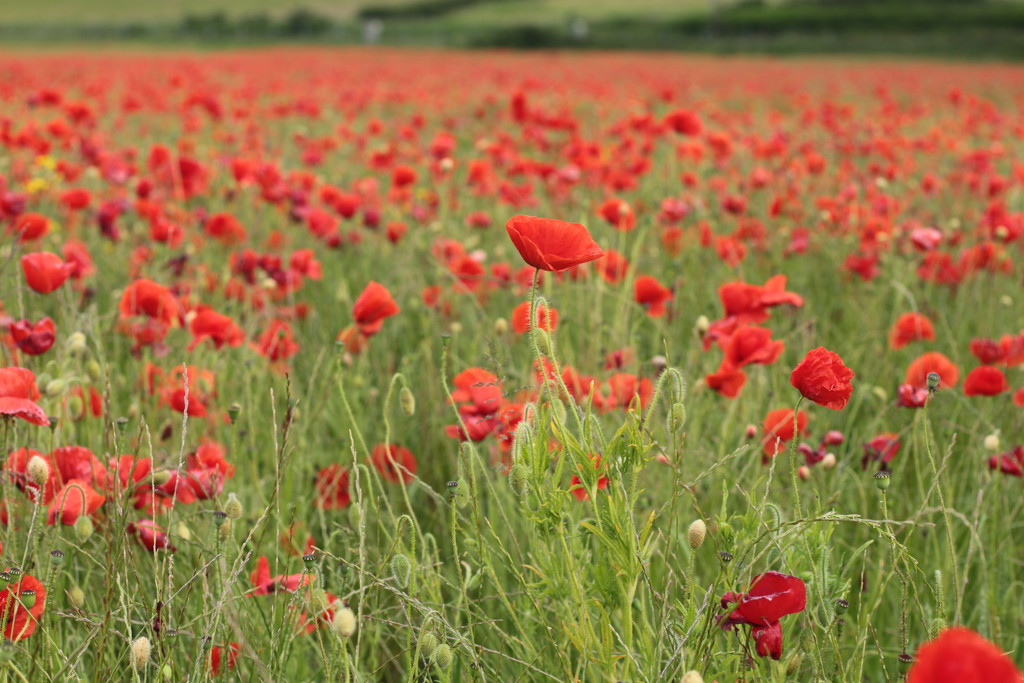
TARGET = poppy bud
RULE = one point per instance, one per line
(905, 661)
(933, 381)
(936, 627)
(28, 598)
(55, 387)
(882, 480)
(38, 470)
(344, 622)
(804, 472)
(407, 401)
(677, 418)
(428, 643)
(692, 677)
(829, 461)
(76, 596)
(751, 431)
(442, 656)
(401, 569)
(224, 529)
(698, 530)
(992, 442)
(57, 557)
(702, 326)
(234, 410)
(182, 532)
(83, 528)
(517, 479)
(1006, 300)
(792, 664)
(233, 507)
(500, 327)
(93, 369)
(7, 651)
(161, 477)
(140, 652)
(77, 344)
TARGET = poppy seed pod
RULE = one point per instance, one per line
(933, 382)
(28, 598)
(401, 569)
(698, 530)
(57, 557)
(442, 656)
(140, 652)
(882, 480)
(905, 661)
(38, 470)
(344, 622)
(234, 410)
(407, 401)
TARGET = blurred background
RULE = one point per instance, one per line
(955, 28)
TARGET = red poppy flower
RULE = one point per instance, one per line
(33, 339)
(910, 327)
(650, 294)
(778, 425)
(45, 272)
(751, 345)
(31, 226)
(959, 654)
(150, 535)
(18, 395)
(684, 122)
(332, 487)
(225, 228)
(750, 303)
(547, 318)
(823, 378)
(618, 213)
(772, 595)
(550, 244)
(985, 381)
(265, 584)
(612, 267)
(216, 657)
(277, 342)
(1010, 462)
(881, 449)
(576, 486)
(933, 361)
(150, 299)
(372, 307)
(909, 396)
(1018, 397)
(220, 329)
(21, 623)
(75, 499)
(728, 380)
(395, 463)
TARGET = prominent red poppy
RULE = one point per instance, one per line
(18, 396)
(772, 595)
(650, 294)
(749, 345)
(933, 361)
(395, 463)
(547, 318)
(220, 329)
(76, 498)
(985, 381)
(33, 339)
(44, 271)
(728, 380)
(372, 307)
(959, 654)
(823, 378)
(550, 244)
(150, 535)
(20, 622)
(910, 327)
(152, 300)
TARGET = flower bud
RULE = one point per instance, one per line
(55, 387)
(401, 569)
(161, 477)
(77, 344)
(83, 528)
(698, 530)
(751, 431)
(992, 442)
(224, 530)
(38, 470)
(140, 652)
(692, 677)
(804, 472)
(428, 643)
(182, 531)
(677, 418)
(407, 401)
(829, 461)
(344, 622)
(76, 596)
(93, 369)
(882, 480)
(442, 656)
(500, 327)
(517, 479)
(233, 507)
(702, 326)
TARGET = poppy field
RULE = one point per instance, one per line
(394, 365)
